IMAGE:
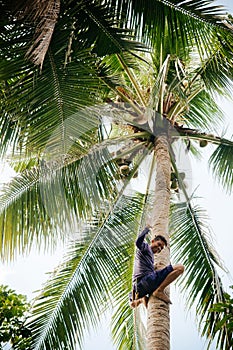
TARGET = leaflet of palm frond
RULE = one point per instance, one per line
(9, 130)
(58, 193)
(225, 308)
(128, 328)
(221, 162)
(191, 244)
(123, 327)
(96, 24)
(153, 19)
(9, 9)
(20, 161)
(203, 113)
(23, 218)
(217, 72)
(56, 96)
(129, 331)
(78, 291)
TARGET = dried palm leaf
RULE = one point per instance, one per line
(46, 14)
(43, 14)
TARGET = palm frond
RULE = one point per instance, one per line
(65, 186)
(191, 244)
(221, 162)
(77, 293)
(201, 10)
(90, 23)
(156, 19)
(96, 24)
(216, 70)
(129, 331)
(55, 96)
(24, 218)
(204, 113)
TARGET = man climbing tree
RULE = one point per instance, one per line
(147, 280)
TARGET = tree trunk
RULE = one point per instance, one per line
(158, 319)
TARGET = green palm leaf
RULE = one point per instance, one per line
(67, 185)
(79, 291)
(191, 244)
(129, 330)
(55, 96)
(100, 28)
(204, 113)
(23, 221)
(221, 162)
(153, 19)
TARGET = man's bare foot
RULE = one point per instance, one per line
(135, 303)
(162, 296)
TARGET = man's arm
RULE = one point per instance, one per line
(139, 242)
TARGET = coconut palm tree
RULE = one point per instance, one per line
(77, 161)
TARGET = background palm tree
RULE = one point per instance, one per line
(75, 167)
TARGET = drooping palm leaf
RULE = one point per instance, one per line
(77, 293)
(203, 113)
(87, 22)
(221, 162)
(129, 330)
(74, 177)
(191, 244)
(153, 19)
(216, 70)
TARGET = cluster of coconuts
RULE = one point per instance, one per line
(124, 167)
(174, 182)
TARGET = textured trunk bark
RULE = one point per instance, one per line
(158, 319)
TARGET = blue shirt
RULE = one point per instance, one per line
(144, 258)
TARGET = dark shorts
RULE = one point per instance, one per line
(151, 282)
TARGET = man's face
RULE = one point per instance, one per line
(157, 246)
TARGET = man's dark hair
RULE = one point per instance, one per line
(161, 238)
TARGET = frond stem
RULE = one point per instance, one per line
(132, 79)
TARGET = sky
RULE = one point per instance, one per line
(26, 275)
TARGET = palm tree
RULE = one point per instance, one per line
(77, 168)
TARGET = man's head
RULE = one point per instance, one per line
(158, 243)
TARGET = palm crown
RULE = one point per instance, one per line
(83, 118)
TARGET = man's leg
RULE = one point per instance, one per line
(172, 276)
(136, 303)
